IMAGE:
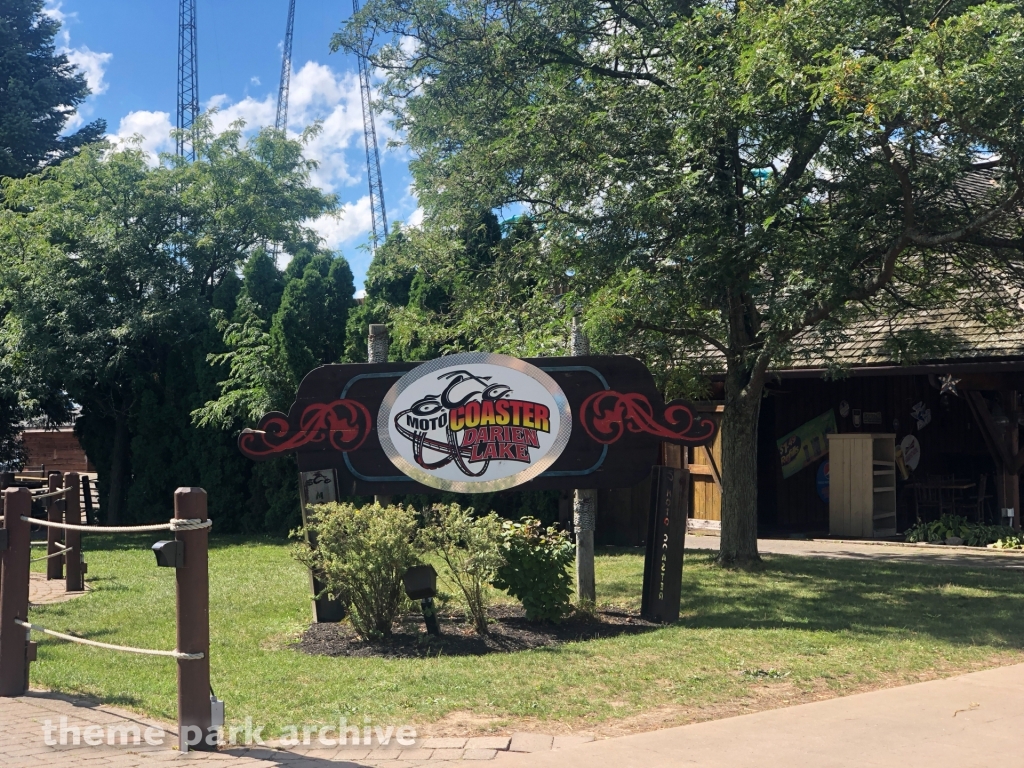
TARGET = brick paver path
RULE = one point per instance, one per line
(42, 592)
(41, 729)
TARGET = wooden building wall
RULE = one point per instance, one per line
(706, 470)
(950, 444)
(55, 449)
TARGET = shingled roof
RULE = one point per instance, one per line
(931, 336)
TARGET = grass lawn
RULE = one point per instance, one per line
(796, 630)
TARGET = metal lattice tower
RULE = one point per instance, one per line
(281, 123)
(378, 216)
(188, 78)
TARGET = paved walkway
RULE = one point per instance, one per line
(971, 721)
(927, 554)
(43, 592)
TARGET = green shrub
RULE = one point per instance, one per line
(468, 546)
(973, 534)
(535, 568)
(360, 555)
(1009, 541)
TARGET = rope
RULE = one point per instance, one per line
(176, 524)
(108, 646)
(47, 557)
(58, 492)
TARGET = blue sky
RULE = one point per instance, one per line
(128, 51)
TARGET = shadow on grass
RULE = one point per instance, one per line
(956, 604)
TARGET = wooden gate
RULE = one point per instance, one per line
(705, 465)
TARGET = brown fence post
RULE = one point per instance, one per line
(193, 613)
(90, 513)
(54, 537)
(14, 593)
(73, 539)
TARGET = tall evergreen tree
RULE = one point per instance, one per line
(39, 90)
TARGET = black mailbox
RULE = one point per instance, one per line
(420, 582)
(169, 554)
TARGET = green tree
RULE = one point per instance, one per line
(39, 90)
(309, 327)
(262, 284)
(115, 273)
(723, 182)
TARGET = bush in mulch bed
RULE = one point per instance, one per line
(509, 631)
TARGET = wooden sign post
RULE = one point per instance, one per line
(666, 536)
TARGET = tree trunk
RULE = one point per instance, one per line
(739, 472)
(118, 469)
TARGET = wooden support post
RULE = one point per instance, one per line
(14, 562)
(1010, 477)
(54, 536)
(73, 539)
(666, 537)
(325, 610)
(584, 508)
(584, 502)
(193, 615)
(378, 348)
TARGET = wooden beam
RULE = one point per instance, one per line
(714, 467)
(989, 431)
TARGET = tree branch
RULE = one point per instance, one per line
(680, 332)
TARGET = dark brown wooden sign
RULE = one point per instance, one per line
(590, 422)
(666, 537)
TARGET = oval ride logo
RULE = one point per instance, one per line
(474, 422)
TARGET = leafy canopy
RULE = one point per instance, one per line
(721, 184)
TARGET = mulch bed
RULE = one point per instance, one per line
(509, 631)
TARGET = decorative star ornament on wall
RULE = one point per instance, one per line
(948, 385)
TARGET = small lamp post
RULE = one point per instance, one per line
(421, 584)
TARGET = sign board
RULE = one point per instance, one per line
(478, 422)
(666, 536)
(806, 444)
(911, 448)
(319, 486)
(474, 423)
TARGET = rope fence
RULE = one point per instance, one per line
(55, 554)
(175, 524)
(109, 646)
(58, 492)
(188, 553)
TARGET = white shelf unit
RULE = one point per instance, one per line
(862, 485)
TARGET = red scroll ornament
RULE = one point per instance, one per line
(607, 415)
(342, 426)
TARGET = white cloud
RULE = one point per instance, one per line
(319, 93)
(353, 223)
(256, 114)
(254, 80)
(92, 64)
(154, 128)
(416, 217)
